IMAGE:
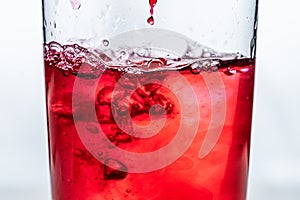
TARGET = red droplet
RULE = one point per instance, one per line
(150, 20)
(152, 3)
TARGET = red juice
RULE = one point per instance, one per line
(107, 126)
(152, 3)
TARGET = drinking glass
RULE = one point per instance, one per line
(149, 99)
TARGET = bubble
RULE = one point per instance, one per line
(128, 62)
(214, 63)
(101, 155)
(141, 52)
(45, 23)
(105, 43)
(122, 111)
(229, 71)
(128, 190)
(111, 138)
(177, 59)
(113, 145)
(194, 65)
(92, 128)
(123, 55)
(195, 68)
(205, 65)
(155, 64)
(214, 68)
(132, 70)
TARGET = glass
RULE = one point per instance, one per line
(149, 99)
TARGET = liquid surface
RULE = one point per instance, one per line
(140, 100)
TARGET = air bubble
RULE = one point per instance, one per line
(141, 52)
(136, 60)
(229, 71)
(194, 65)
(101, 155)
(105, 43)
(92, 128)
(122, 111)
(214, 68)
(45, 23)
(123, 55)
(206, 65)
(195, 68)
(111, 138)
(128, 190)
(128, 62)
(155, 64)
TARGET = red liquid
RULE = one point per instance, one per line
(152, 3)
(77, 169)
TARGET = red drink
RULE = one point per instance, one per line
(141, 108)
(152, 3)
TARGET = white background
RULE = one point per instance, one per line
(275, 155)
